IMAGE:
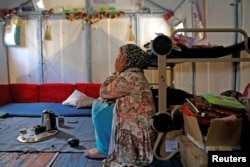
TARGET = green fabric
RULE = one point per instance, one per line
(224, 101)
(3, 114)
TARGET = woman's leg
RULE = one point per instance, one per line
(102, 115)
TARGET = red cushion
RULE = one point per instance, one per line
(55, 92)
(24, 93)
(5, 94)
(90, 89)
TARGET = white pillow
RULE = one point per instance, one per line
(78, 99)
(85, 101)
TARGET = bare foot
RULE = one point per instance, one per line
(93, 153)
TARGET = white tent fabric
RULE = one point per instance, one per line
(67, 57)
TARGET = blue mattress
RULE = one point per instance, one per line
(36, 109)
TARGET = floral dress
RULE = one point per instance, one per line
(132, 136)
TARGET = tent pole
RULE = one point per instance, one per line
(41, 49)
(88, 43)
(8, 66)
(236, 65)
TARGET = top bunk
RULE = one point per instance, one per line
(163, 45)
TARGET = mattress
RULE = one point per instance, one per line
(36, 109)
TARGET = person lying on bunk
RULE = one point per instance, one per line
(204, 52)
(131, 139)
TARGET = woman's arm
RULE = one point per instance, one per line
(115, 87)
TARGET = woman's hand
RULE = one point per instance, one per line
(120, 63)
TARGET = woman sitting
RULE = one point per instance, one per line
(123, 134)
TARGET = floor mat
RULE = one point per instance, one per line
(81, 128)
(74, 160)
(173, 162)
(18, 159)
(15, 159)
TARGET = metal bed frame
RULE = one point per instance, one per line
(162, 115)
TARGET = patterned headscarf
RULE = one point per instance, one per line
(135, 57)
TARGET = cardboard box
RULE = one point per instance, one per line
(221, 134)
(170, 136)
(191, 155)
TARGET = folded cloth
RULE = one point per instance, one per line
(3, 114)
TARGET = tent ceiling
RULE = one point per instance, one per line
(154, 4)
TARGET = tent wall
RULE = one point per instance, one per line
(4, 75)
(78, 52)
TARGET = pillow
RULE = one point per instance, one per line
(85, 101)
(78, 99)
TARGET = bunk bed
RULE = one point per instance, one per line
(201, 52)
(162, 46)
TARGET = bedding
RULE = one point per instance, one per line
(30, 100)
(198, 52)
(36, 109)
(78, 100)
(208, 52)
